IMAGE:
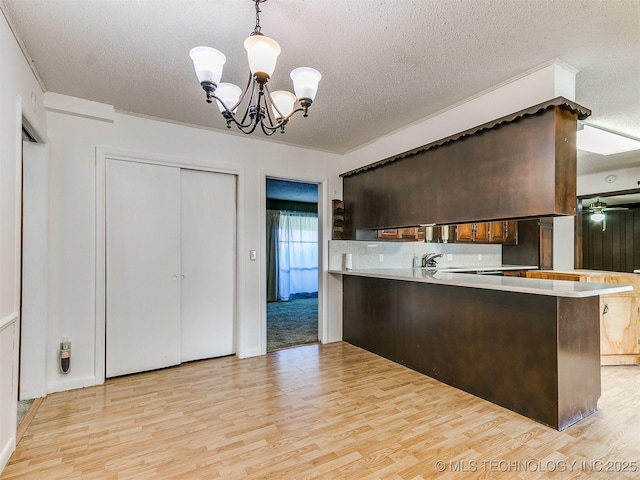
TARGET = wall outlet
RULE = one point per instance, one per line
(479, 256)
(449, 256)
(381, 257)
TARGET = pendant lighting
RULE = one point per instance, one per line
(270, 111)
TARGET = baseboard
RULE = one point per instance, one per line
(27, 419)
(71, 384)
(7, 450)
(631, 359)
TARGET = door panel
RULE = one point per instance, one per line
(143, 267)
(208, 264)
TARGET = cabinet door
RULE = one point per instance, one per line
(410, 233)
(618, 325)
(511, 232)
(496, 232)
(482, 232)
(464, 232)
(546, 244)
(208, 214)
(143, 267)
(392, 233)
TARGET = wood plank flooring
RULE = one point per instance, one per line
(317, 411)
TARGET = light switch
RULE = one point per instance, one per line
(253, 255)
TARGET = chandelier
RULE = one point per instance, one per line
(270, 111)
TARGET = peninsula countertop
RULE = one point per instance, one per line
(451, 277)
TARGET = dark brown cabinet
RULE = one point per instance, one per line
(520, 166)
(483, 342)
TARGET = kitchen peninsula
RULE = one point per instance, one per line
(531, 346)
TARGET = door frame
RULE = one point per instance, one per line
(102, 155)
(323, 256)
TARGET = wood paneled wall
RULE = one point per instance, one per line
(616, 249)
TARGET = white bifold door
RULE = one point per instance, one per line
(170, 257)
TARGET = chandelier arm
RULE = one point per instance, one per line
(247, 128)
(246, 89)
(269, 103)
(243, 124)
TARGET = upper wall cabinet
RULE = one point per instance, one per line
(488, 232)
(519, 166)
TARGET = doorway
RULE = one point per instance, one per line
(34, 272)
(292, 263)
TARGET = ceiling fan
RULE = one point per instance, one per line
(597, 210)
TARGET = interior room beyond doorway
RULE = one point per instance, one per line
(292, 263)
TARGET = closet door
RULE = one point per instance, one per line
(143, 267)
(208, 264)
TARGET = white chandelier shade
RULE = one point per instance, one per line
(260, 108)
(284, 101)
(229, 94)
(208, 63)
(305, 82)
(262, 53)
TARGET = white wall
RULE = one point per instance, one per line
(545, 83)
(76, 140)
(17, 85)
(594, 183)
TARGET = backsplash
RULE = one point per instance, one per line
(400, 254)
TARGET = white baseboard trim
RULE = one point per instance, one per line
(7, 450)
(71, 384)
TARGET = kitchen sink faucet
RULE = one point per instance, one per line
(429, 260)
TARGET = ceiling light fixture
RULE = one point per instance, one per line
(603, 142)
(271, 111)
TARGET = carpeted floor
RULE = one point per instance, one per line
(23, 409)
(292, 323)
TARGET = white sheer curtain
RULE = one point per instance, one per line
(297, 254)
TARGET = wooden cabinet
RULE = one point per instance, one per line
(619, 313)
(467, 232)
(410, 233)
(545, 248)
(483, 232)
(530, 174)
(488, 232)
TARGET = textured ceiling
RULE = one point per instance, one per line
(292, 191)
(385, 63)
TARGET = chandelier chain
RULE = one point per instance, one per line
(257, 31)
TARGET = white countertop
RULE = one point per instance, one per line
(555, 288)
(489, 268)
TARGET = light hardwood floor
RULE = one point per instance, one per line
(318, 411)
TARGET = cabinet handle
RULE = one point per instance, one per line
(174, 277)
(605, 310)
